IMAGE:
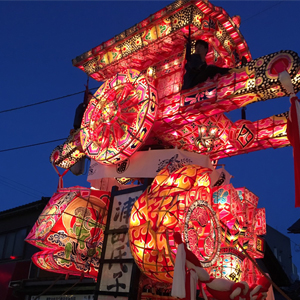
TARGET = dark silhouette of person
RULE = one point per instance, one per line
(79, 167)
(80, 110)
(197, 70)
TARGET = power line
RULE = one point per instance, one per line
(42, 102)
(32, 145)
(14, 184)
(70, 95)
(74, 94)
(258, 13)
(19, 189)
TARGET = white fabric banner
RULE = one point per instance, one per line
(178, 285)
(146, 164)
(224, 177)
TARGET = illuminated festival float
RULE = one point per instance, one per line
(188, 228)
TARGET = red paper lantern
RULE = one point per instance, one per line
(119, 117)
(70, 231)
(162, 210)
(182, 201)
(242, 134)
(229, 265)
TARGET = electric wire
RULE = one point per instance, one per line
(267, 8)
(32, 145)
(76, 93)
(19, 189)
(16, 188)
(45, 101)
(17, 185)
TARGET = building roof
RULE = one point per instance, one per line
(21, 209)
(295, 228)
(271, 265)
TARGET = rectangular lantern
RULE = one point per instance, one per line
(227, 202)
(260, 221)
(250, 201)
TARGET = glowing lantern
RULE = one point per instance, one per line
(156, 47)
(161, 211)
(209, 24)
(207, 136)
(251, 200)
(260, 221)
(119, 117)
(229, 265)
(69, 153)
(70, 231)
(226, 201)
(202, 232)
(182, 201)
(242, 134)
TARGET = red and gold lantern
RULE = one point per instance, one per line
(162, 210)
(119, 117)
(70, 231)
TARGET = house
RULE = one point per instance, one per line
(19, 277)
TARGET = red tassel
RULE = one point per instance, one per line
(294, 138)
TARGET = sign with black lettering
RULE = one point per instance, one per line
(116, 277)
(117, 246)
(122, 209)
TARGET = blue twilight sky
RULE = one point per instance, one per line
(38, 41)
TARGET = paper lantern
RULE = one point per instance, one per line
(202, 232)
(226, 201)
(70, 231)
(228, 265)
(260, 221)
(156, 46)
(207, 136)
(119, 117)
(69, 153)
(162, 210)
(242, 134)
(251, 200)
(241, 223)
(180, 201)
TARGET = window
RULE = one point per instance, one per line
(12, 243)
(279, 257)
(294, 269)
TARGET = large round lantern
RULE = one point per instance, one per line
(162, 210)
(202, 232)
(119, 117)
